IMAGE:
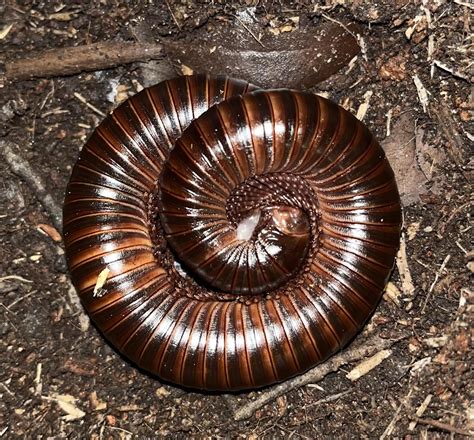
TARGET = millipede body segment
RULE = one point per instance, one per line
(247, 234)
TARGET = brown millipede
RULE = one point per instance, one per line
(248, 234)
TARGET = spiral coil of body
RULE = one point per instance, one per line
(160, 195)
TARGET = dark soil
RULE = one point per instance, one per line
(59, 378)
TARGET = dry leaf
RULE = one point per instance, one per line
(400, 149)
(300, 58)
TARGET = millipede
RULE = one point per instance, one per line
(247, 234)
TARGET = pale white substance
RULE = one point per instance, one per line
(180, 269)
(246, 227)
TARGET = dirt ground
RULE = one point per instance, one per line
(411, 82)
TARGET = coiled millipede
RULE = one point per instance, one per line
(247, 234)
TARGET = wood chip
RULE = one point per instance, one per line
(162, 392)
(186, 70)
(419, 365)
(436, 342)
(422, 92)
(412, 230)
(99, 284)
(128, 408)
(38, 382)
(364, 106)
(96, 403)
(431, 48)
(62, 16)
(389, 122)
(392, 293)
(5, 31)
(403, 269)
(50, 231)
(67, 403)
(121, 94)
(411, 29)
(364, 367)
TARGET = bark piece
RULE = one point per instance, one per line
(71, 60)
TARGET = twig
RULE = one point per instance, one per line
(389, 121)
(328, 399)
(420, 411)
(249, 31)
(88, 104)
(7, 389)
(389, 429)
(71, 60)
(15, 277)
(403, 268)
(352, 354)
(327, 17)
(357, 36)
(450, 70)
(172, 15)
(433, 284)
(442, 426)
(18, 300)
(22, 168)
(466, 4)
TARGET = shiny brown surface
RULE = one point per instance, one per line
(186, 297)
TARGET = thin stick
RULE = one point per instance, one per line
(172, 15)
(356, 353)
(442, 426)
(389, 429)
(356, 36)
(466, 4)
(72, 60)
(88, 104)
(249, 31)
(15, 277)
(433, 284)
(22, 168)
(450, 70)
(328, 399)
